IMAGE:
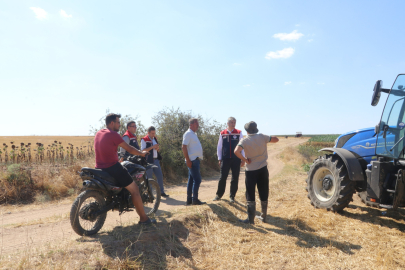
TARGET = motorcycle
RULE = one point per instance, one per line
(100, 195)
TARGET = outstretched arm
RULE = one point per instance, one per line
(273, 139)
(132, 150)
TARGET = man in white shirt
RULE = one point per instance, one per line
(227, 142)
(149, 143)
(192, 151)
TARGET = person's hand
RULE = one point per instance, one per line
(219, 163)
(242, 163)
(156, 146)
(189, 163)
(121, 159)
(248, 161)
(144, 153)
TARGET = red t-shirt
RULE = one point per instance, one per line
(106, 145)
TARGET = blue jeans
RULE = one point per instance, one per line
(158, 174)
(194, 180)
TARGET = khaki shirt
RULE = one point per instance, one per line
(255, 146)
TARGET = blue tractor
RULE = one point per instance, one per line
(368, 161)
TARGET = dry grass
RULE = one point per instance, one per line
(297, 236)
(41, 183)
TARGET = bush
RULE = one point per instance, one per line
(310, 150)
(170, 126)
(16, 184)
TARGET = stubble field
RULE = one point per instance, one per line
(296, 235)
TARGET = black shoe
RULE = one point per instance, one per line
(232, 199)
(164, 195)
(147, 222)
(217, 198)
(198, 202)
(189, 203)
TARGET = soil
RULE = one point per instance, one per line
(30, 227)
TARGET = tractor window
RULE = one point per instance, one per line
(394, 115)
(393, 121)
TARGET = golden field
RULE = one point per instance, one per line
(296, 236)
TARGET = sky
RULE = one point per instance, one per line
(291, 66)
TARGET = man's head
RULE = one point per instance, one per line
(131, 127)
(193, 124)
(251, 127)
(112, 121)
(151, 132)
(231, 123)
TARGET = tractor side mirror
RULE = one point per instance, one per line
(376, 93)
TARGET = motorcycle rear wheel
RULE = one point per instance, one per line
(80, 214)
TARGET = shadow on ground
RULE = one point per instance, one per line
(392, 219)
(306, 236)
(149, 246)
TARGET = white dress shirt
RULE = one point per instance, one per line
(143, 146)
(194, 148)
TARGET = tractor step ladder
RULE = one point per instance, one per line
(386, 206)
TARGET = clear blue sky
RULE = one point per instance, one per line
(290, 66)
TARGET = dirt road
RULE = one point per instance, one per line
(30, 227)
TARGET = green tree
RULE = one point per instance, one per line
(170, 126)
(140, 131)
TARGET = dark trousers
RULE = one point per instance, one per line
(260, 178)
(227, 164)
(194, 180)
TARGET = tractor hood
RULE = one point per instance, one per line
(360, 141)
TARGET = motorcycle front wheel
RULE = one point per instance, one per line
(82, 217)
(150, 196)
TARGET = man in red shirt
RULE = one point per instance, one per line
(106, 143)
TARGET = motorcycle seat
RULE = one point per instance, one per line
(101, 174)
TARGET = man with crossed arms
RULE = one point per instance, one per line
(227, 142)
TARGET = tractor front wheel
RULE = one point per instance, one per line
(328, 184)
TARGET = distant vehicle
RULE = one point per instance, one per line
(369, 161)
(299, 134)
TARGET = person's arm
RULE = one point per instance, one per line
(186, 141)
(243, 151)
(132, 150)
(273, 139)
(219, 149)
(122, 150)
(238, 151)
(143, 146)
(185, 153)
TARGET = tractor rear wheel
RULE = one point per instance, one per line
(328, 184)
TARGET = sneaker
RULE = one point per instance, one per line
(198, 202)
(164, 195)
(217, 198)
(147, 222)
(232, 199)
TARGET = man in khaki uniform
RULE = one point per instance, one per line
(255, 146)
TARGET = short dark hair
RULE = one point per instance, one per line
(130, 122)
(151, 128)
(192, 121)
(111, 117)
